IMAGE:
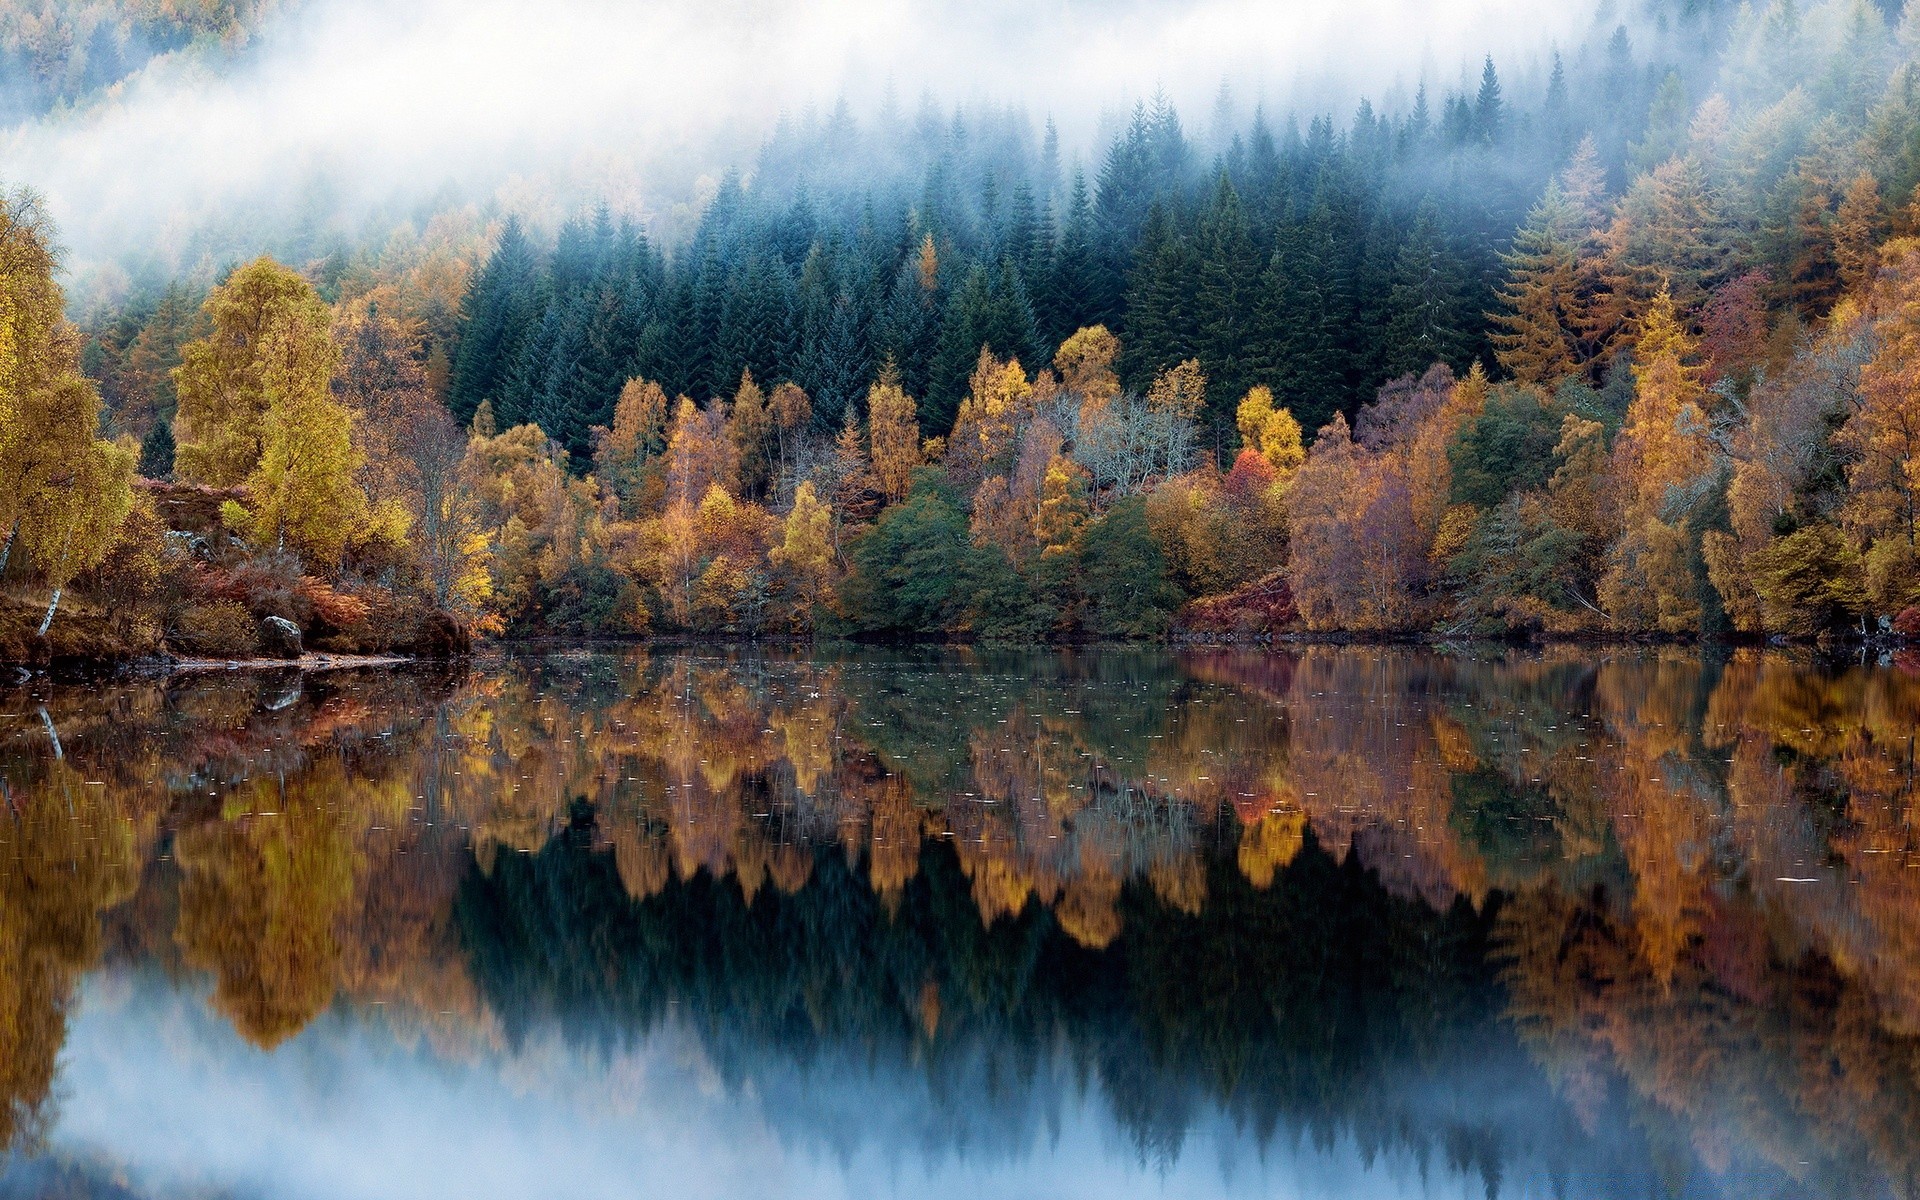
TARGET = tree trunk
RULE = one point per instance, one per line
(53, 735)
(6, 551)
(48, 619)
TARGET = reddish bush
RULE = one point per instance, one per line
(266, 584)
(329, 606)
(1907, 624)
(1261, 608)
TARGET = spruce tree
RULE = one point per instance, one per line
(1070, 300)
(1227, 279)
(156, 451)
(962, 332)
(497, 318)
(1425, 314)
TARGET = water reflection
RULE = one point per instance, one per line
(1571, 923)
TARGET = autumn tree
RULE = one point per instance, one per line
(447, 534)
(1063, 511)
(268, 341)
(66, 491)
(1357, 559)
(303, 492)
(1270, 431)
(997, 403)
(699, 453)
(806, 546)
(637, 438)
(1883, 436)
(750, 429)
(1663, 459)
(893, 433)
(792, 412)
(1085, 362)
(1859, 227)
(1535, 341)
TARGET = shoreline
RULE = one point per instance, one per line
(155, 666)
(306, 662)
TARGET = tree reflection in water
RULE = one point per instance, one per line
(1540, 916)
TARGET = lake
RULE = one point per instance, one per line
(1330, 922)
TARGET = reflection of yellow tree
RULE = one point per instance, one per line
(261, 897)
(67, 855)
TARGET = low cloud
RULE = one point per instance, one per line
(344, 108)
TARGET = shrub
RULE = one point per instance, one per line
(221, 629)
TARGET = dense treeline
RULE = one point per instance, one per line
(1623, 354)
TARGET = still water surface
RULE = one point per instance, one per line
(1340, 922)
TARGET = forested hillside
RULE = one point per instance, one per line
(1624, 346)
(68, 52)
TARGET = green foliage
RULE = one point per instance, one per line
(1508, 448)
(1124, 575)
(909, 570)
(1518, 561)
(156, 452)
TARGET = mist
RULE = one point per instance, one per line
(347, 111)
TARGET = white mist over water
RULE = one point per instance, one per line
(158, 1091)
(346, 108)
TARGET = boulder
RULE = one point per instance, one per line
(279, 638)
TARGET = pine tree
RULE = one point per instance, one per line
(907, 328)
(1071, 296)
(1424, 323)
(1296, 324)
(1556, 115)
(1228, 274)
(1858, 230)
(1535, 342)
(1161, 324)
(496, 321)
(1654, 573)
(1489, 110)
(756, 330)
(156, 451)
(963, 331)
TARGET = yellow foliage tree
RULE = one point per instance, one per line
(699, 453)
(1661, 454)
(750, 428)
(1272, 431)
(996, 398)
(63, 492)
(792, 411)
(1535, 341)
(1063, 511)
(303, 491)
(1883, 435)
(1085, 362)
(806, 545)
(639, 434)
(1429, 472)
(1857, 231)
(893, 432)
(269, 340)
